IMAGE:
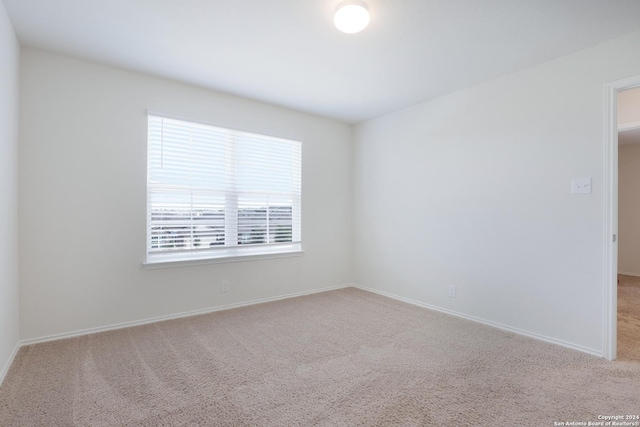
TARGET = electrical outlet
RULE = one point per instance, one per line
(452, 291)
(224, 287)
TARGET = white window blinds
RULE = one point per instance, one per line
(215, 192)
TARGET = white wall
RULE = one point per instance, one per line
(629, 209)
(473, 190)
(9, 83)
(83, 199)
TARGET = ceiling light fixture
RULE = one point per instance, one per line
(351, 16)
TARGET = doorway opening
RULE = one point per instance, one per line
(611, 221)
(628, 287)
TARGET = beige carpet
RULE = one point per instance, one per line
(340, 358)
(629, 318)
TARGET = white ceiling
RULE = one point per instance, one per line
(288, 53)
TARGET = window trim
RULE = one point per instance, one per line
(223, 254)
(165, 261)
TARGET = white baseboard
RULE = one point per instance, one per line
(629, 274)
(486, 322)
(6, 366)
(282, 297)
(174, 316)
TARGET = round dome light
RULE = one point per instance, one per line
(351, 16)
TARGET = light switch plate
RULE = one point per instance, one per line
(581, 186)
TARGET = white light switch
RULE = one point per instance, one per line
(581, 186)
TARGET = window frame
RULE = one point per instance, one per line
(232, 252)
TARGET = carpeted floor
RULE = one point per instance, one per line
(629, 318)
(339, 358)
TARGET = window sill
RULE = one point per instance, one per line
(185, 260)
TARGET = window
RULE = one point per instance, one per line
(220, 193)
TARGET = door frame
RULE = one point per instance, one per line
(610, 300)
